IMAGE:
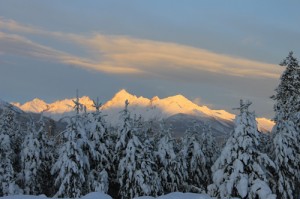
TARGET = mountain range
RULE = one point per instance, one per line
(177, 109)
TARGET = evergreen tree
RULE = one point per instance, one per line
(122, 137)
(286, 158)
(195, 159)
(287, 97)
(180, 168)
(51, 127)
(30, 162)
(135, 170)
(144, 131)
(7, 175)
(210, 150)
(287, 129)
(242, 170)
(47, 157)
(101, 160)
(149, 168)
(124, 131)
(99, 180)
(131, 178)
(166, 160)
(72, 165)
(267, 145)
(8, 158)
(12, 128)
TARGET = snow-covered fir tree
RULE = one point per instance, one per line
(135, 169)
(12, 128)
(6, 169)
(7, 174)
(124, 131)
(144, 131)
(72, 166)
(287, 129)
(146, 164)
(167, 162)
(98, 180)
(122, 137)
(180, 168)
(149, 168)
(30, 161)
(140, 127)
(195, 160)
(47, 157)
(210, 150)
(131, 177)
(100, 141)
(242, 170)
(286, 158)
(287, 95)
(266, 144)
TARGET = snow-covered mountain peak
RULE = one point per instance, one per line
(119, 99)
(155, 98)
(86, 100)
(178, 98)
(37, 100)
(148, 108)
(123, 95)
(36, 106)
(181, 101)
(58, 107)
(67, 105)
(265, 124)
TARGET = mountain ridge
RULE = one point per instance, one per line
(159, 108)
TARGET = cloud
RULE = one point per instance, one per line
(18, 45)
(14, 26)
(152, 56)
(126, 55)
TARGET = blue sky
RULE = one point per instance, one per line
(215, 52)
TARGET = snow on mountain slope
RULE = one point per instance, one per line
(34, 106)
(149, 108)
(166, 107)
(55, 110)
(4, 104)
(118, 100)
(162, 108)
(67, 105)
(265, 124)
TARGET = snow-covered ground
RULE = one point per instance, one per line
(178, 195)
(96, 195)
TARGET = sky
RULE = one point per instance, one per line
(214, 53)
